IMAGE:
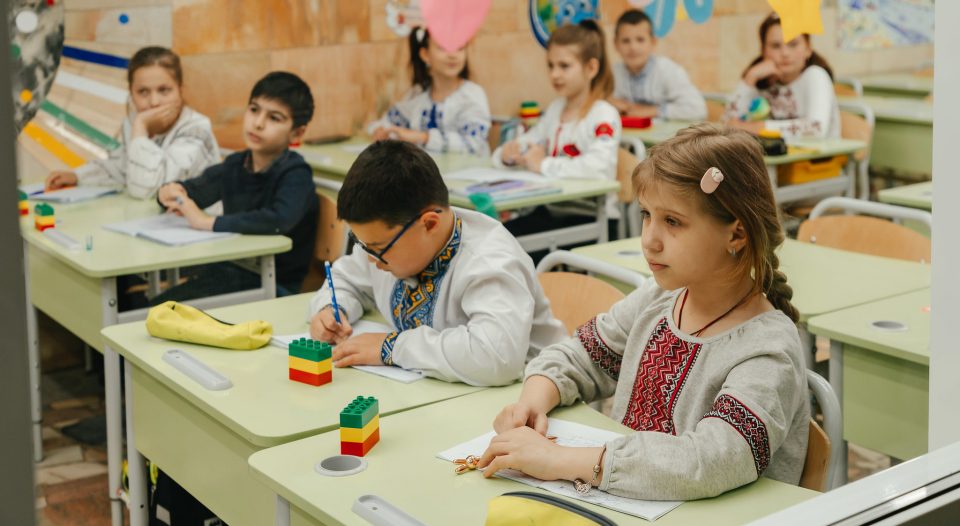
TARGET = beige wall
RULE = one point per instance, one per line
(356, 65)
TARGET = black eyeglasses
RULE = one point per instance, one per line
(379, 255)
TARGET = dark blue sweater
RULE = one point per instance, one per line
(280, 200)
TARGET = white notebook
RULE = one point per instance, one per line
(166, 229)
(74, 195)
(570, 434)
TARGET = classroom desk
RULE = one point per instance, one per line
(823, 279)
(804, 150)
(881, 376)
(78, 289)
(902, 136)
(918, 195)
(203, 438)
(330, 162)
(403, 469)
(901, 84)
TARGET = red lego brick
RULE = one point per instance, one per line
(312, 379)
(358, 449)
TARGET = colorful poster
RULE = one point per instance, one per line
(547, 15)
(403, 16)
(36, 31)
(878, 24)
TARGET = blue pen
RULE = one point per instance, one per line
(333, 292)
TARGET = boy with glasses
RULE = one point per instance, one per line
(460, 293)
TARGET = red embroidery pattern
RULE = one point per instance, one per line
(603, 129)
(571, 150)
(748, 424)
(599, 352)
(664, 368)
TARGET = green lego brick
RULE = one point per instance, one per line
(359, 412)
(310, 350)
(23, 195)
(529, 104)
(43, 209)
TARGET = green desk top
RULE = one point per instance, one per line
(823, 279)
(918, 195)
(115, 254)
(899, 109)
(334, 160)
(806, 149)
(854, 326)
(404, 470)
(264, 406)
(905, 82)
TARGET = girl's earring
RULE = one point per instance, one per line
(733, 252)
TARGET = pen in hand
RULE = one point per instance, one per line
(333, 292)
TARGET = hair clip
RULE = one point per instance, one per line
(711, 180)
(420, 34)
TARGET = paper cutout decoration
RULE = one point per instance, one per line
(452, 23)
(547, 15)
(36, 41)
(798, 17)
(663, 13)
(698, 10)
(403, 16)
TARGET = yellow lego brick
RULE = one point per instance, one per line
(352, 434)
(44, 220)
(308, 366)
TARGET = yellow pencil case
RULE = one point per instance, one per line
(183, 323)
(537, 509)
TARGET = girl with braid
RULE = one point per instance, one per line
(704, 361)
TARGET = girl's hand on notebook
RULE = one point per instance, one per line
(525, 450)
(520, 414)
(324, 327)
(412, 136)
(534, 157)
(381, 134)
(362, 349)
(60, 179)
(511, 154)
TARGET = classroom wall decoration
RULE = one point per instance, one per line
(547, 15)
(798, 17)
(403, 16)
(663, 13)
(452, 23)
(36, 30)
(881, 24)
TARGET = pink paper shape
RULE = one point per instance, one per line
(452, 23)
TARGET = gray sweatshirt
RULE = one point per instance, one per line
(712, 414)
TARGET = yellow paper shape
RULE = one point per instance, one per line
(798, 17)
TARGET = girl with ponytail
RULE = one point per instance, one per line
(443, 111)
(704, 361)
(578, 135)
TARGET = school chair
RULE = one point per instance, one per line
(848, 87)
(823, 469)
(575, 298)
(330, 243)
(857, 122)
(865, 234)
(716, 106)
(629, 155)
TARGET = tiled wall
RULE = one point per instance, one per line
(356, 65)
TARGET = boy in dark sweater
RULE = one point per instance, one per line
(266, 189)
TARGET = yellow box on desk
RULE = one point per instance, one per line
(812, 170)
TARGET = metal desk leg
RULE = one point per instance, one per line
(602, 219)
(136, 474)
(111, 374)
(33, 357)
(282, 517)
(267, 277)
(836, 381)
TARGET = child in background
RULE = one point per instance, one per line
(578, 135)
(648, 85)
(462, 296)
(795, 81)
(704, 361)
(266, 189)
(163, 142)
(443, 111)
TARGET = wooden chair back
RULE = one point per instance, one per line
(866, 235)
(814, 475)
(575, 298)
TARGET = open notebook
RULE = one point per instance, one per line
(166, 229)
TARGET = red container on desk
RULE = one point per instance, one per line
(635, 122)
